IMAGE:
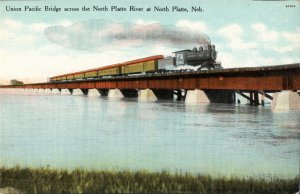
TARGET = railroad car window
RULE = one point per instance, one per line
(179, 56)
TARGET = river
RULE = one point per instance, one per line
(65, 131)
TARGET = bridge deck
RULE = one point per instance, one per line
(268, 78)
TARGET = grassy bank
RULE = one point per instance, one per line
(46, 180)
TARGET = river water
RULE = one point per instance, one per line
(65, 131)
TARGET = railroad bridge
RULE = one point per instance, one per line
(218, 85)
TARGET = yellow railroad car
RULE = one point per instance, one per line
(79, 76)
(90, 74)
(70, 77)
(141, 65)
(136, 66)
(133, 68)
(150, 65)
(109, 71)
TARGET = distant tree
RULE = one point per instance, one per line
(16, 82)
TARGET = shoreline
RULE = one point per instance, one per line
(51, 180)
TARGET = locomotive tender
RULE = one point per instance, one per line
(184, 60)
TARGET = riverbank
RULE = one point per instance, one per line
(47, 180)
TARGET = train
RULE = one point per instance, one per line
(197, 59)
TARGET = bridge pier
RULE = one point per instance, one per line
(77, 92)
(196, 96)
(40, 90)
(115, 93)
(65, 92)
(55, 91)
(146, 95)
(93, 92)
(47, 91)
(254, 101)
(286, 100)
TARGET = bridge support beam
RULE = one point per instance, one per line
(146, 95)
(77, 92)
(55, 91)
(196, 96)
(180, 94)
(93, 92)
(286, 100)
(65, 91)
(115, 93)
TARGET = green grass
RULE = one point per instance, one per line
(47, 180)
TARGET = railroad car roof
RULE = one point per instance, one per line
(182, 50)
(114, 65)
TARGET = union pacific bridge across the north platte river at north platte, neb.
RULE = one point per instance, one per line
(217, 85)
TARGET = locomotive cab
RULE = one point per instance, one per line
(181, 57)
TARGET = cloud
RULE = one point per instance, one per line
(278, 41)
(292, 36)
(234, 34)
(5, 34)
(144, 22)
(40, 64)
(13, 24)
(248, 59)
(101, 35)
(64, 22)
(293, 40)
(193, 26)
(264, 33)
(38, 27)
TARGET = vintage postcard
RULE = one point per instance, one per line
(136, 96)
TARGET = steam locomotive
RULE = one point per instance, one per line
(203, 58)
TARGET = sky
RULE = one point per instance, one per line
(35, 45)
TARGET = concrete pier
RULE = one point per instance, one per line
(196, 96)
(93, 92)
(55, 91)
(286, 100)
(146, 95)
(47, 91)
(77, 92)
(41, 91)
(115, 93)
(65, 91)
